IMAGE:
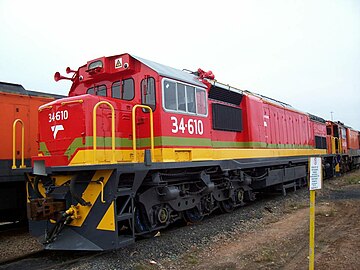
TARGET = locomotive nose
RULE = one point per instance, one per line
(57, 129)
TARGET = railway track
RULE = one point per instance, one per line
(31, 256)
(13, 226)
(45, 259)
(48, 259)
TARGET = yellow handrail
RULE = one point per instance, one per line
(22, 143)
(112, 128)
(134, 130)
(333, 148)
(339, 142)
(340, 145)
(72, 101)
(46, 107)
(102, 191)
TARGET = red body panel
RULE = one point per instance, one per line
(352, 139)
(265, 123)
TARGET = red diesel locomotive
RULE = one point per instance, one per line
(138, 145)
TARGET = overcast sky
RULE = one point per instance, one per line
(305, 53)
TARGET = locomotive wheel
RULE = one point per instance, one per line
(193, 215)
(226, 206)
(141, 222)
(163, 215)
(240, 196)
(142, 225)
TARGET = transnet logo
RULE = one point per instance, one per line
(55, 129)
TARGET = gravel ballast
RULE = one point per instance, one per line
(171, 247)
(173, 243)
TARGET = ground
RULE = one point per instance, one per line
(272, 233)
(283, 243)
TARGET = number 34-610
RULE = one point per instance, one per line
(192, 126)
(59, 115)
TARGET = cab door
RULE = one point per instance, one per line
(267, 127)
(142, 115)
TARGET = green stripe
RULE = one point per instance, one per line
(218, 144)
(43, 149)
(143, 142)
(173, 141)
(100, 142)
(103, 142)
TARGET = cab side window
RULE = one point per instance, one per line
(148, 96)
(128, 89)
(181, 98)
(170, 95)
(115, 90)
(123, 89)
(190, 95)
(184, 98)
(91, 91)
(201, 103)
(99, 90)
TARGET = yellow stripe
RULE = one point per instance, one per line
(61, 179)
(85, 157)
(107, 223)
(90, 194)
(40, 187)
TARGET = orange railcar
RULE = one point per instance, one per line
(352, 139)
(17, 103)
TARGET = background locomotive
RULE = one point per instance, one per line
(138, 145)
(17, 103)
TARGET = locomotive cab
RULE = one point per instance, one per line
(127, 88)
(104, 93)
